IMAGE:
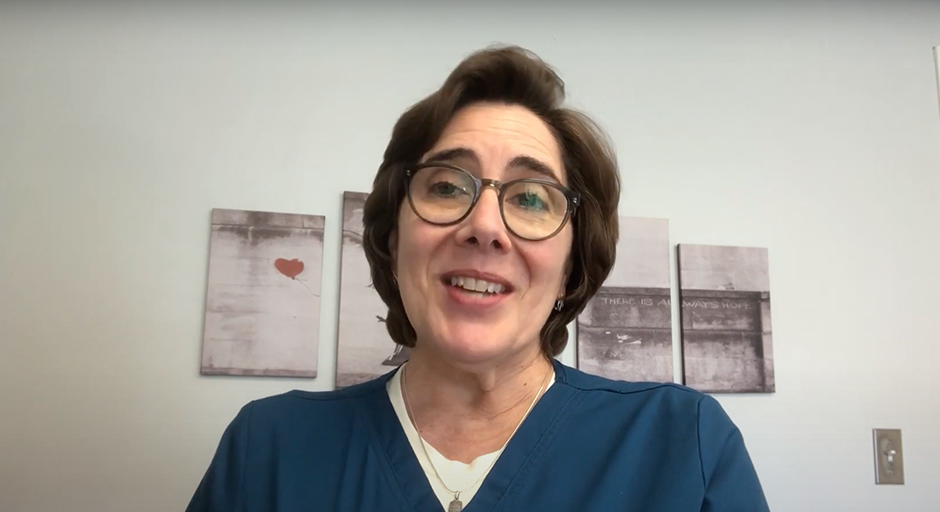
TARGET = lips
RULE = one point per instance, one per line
(476, 285)
(474, 281)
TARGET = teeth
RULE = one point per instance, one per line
(476, 285)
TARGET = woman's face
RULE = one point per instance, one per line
(491, 141)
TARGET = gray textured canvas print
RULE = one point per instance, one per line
(726, 334)
(625, 332)
(263, 294)
(364, 350)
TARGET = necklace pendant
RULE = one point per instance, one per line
(455, 506)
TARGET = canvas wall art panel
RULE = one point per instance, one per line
(365, 350)
(625, 332)
(263, 295)
(727, 342)
(936, 59)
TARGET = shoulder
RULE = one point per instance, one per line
(655, 411)
(332, 398)
(303, 410)
(601, 388)
(671, 403)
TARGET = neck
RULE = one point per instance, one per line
(466, 411)
(483, 388)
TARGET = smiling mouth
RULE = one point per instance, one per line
(472, 285)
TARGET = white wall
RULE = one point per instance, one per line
(811, 129)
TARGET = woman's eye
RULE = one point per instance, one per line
(445, 188)
(530, 201)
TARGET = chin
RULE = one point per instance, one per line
(475, 345)
(470, 352)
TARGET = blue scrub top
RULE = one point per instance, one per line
(590, 444)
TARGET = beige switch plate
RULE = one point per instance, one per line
(889, 458)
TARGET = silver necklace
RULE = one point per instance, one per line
(456, 505)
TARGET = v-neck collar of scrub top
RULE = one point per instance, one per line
(525, 451)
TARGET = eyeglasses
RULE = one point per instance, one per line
(532, 209)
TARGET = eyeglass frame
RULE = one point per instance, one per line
(573, 197)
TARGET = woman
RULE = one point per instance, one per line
(492, 222)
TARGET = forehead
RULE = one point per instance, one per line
(498, 133)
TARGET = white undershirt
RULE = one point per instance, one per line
(457, 475)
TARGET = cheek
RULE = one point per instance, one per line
(548, 262)
(404, 232)
(415, 245)
(562, 247)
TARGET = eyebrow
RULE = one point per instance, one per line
(523, 161)
(448, 155)
(529, 163)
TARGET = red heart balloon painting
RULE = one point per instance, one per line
(290, 268)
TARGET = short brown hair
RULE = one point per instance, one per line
(508, 75)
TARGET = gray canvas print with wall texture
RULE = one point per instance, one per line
(625, 332)
(365, 350)
(263, 294)
(727, 342)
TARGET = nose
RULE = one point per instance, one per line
(483, 227)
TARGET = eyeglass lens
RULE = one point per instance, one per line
(532, 210)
